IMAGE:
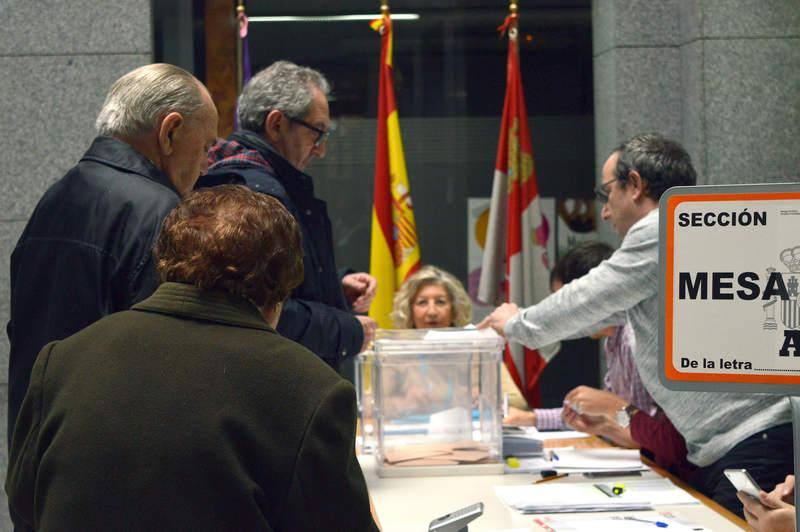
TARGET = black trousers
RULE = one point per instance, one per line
(767, 456)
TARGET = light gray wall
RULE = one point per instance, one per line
(722, 76)
(57, 61)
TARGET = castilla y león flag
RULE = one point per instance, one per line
(394, 251)
(514, 265)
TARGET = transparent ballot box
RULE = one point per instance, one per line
(430, 402)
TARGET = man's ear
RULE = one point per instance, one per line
(168, 131)
(639, 185)
(274, 124)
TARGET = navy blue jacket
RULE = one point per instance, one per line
(85, 253)
(316, 314)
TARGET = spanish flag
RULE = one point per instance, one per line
(515, 265)
(394, 253)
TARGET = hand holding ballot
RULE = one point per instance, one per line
(591, 401)
(498, 318)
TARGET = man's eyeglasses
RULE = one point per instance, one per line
(601, 191)
(322, 135)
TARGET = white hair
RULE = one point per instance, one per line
(282, 86)
(140, 98)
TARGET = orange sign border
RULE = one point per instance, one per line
(670, 371)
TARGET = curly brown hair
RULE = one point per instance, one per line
(231, 238)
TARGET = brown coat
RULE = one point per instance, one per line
(186, 412)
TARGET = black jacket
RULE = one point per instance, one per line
(186, 412)
(85, 253)
(316, 314)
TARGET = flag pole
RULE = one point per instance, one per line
(385, 8)
(239, 73)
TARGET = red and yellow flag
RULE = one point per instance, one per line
(394, 252)
(515, 257)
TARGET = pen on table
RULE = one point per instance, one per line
(551, 477)
(659, 524)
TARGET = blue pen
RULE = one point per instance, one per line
(659, 524)
(553, 456)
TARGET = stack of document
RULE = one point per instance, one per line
(579, 461)
(573, 497)
(597, 460)
(522, 445)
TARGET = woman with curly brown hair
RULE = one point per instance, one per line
(189, 411)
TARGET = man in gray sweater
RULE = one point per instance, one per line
(721, 429)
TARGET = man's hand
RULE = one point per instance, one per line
(785, 490)
(519, 417)
(768, 513)
(585, 423)
(369, 326)
(594, 402)
(498, 318)
(359, 290)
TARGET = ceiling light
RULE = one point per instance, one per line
(332, 18)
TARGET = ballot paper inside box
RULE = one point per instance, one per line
(434, 402)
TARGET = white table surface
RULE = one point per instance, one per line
(410, 504)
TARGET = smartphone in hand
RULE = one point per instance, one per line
(742, 481)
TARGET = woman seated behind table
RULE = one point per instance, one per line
(434, 298)
(189, 412)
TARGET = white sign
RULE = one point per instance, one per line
(730, 288)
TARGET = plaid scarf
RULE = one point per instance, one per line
(233, 153)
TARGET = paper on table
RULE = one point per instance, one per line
(545, 435)
(598, 460)
(559, 497)
(609, 524)
(529, 465)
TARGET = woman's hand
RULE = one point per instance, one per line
(519, 417)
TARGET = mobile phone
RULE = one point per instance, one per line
(742, 481)
(458, 520)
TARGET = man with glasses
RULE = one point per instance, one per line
(284, 123)
(625, 287)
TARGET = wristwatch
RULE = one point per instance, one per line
(625, 414)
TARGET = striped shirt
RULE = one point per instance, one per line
(626, 286)
(622, 379)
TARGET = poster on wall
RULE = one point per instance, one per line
(730, 288)
(577, 222)
(477, 223)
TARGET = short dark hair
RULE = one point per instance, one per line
(579, 260)
(231, 238)
(662, 163)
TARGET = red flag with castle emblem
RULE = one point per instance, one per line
(514, 265)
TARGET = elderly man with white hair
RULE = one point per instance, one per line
(86, 250)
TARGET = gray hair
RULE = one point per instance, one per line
(140, 98)
(661, 162)
(282, 86)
